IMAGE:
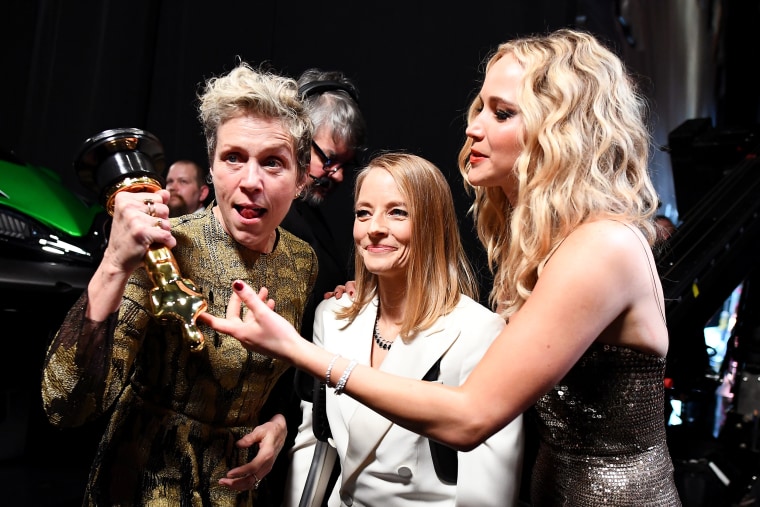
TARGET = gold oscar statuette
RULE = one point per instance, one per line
(131, 160)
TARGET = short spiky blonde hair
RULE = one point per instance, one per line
(245, 91)
(438, 269)
(585, 154)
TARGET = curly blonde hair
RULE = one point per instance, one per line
(585, 155)
(245, 91)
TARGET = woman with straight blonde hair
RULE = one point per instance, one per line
(405, 230)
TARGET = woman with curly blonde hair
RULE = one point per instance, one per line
(582, 156)
(556, 154)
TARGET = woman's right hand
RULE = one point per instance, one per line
(260, 329)
(349, 288)
(140, 219)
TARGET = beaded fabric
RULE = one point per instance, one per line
(602, 434)
(383, 344)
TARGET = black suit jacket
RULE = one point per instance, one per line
(328, 228)
(334, 249)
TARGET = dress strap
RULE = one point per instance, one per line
(652, 268)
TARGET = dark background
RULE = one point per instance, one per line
(71, 69)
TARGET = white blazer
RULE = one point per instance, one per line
(383, 464)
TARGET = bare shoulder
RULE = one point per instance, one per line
(607, 251)
(607, 237)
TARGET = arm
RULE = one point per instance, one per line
(133, 231)
(79, 380)
(596, 277)
(275, 335)
(490, 474)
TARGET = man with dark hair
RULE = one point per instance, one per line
(665, 228)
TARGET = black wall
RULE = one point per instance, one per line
(70, 69)
(73, 69)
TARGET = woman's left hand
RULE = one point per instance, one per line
(270, 438)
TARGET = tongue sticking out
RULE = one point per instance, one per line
(250, 213)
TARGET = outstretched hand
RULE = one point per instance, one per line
(259, 329)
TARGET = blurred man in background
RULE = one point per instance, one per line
(186, 181)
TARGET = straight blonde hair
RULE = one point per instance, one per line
(438, 270)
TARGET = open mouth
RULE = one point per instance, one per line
(249, 213)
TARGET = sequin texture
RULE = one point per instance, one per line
(602, 434)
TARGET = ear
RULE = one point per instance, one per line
(204, 192)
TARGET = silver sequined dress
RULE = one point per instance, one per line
(602, 434)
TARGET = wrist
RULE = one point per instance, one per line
(340, 386)
(279, 421)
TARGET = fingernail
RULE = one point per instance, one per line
(237, 285)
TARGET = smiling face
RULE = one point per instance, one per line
(496, 130)
(255, 179)
(382, 227)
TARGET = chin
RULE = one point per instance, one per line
(315, 198)
(474, 180)
(254, 241)
(483, 179)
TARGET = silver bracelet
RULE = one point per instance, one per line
(341, 385)
(329, 369)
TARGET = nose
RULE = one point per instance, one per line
(377, 225)
(474, 128)
(250, 176)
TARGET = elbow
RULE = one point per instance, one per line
(470, 435)
(469, 421)
(466, 432)
(464, 442)
(465, 446)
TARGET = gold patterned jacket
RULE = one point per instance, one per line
(176, 413)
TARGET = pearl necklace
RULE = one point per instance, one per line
(383, 344)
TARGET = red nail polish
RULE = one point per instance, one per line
(237, 285)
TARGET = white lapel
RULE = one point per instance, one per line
(413, 359)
